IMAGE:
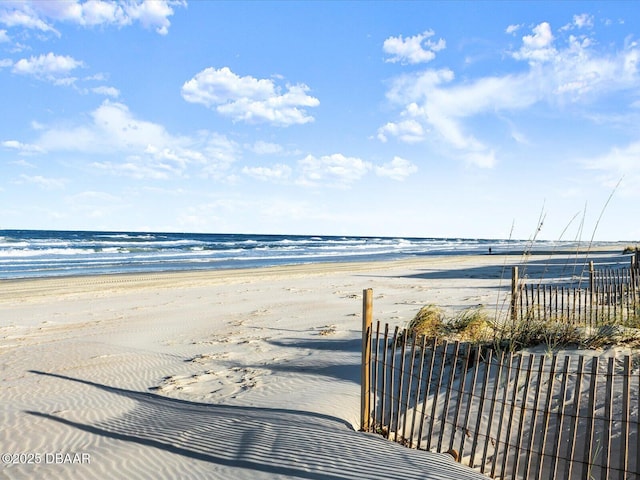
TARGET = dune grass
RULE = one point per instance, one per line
(477, 326)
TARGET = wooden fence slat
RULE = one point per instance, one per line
(392, 386)
(459, 398)
(428, 381)
(503, 407)
(547, 413)
(515, 297)
(447, 398)
(423, 348)
(407, 396)
(589, 433)
(483, 394)
(578, 318)
(496, 387)
(523, 412)
(375, 368)
(573, 425)
(532, 435)
(560, 418)
(465, 425)
(608, 420)
(624, 450)
(434, 405)
(404, 337)
(383, 396)
(507, 442)
(365, 367)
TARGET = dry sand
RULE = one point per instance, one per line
(242, 374)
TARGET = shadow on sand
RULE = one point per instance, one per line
(336, 367)
(537, 267)
(290, 443)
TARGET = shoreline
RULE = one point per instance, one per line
(91, 256)
(353, 261)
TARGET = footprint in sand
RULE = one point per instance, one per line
(207, 357)
(327, 330)
(210, 384)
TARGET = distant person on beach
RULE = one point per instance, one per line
(489, 250)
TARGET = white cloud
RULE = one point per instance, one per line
(332, 170)
(577, 69)
(88, 13)
(147, 149)
(266, 148)
(43, 182)
(113, 129)
(539, 46)
(511, 29)
(40, 15)
(23, 148)
(136, 167)
(619, 162)
(417, 49)
(21, 162)
(278, 172)
(23, 14)
(397, 169)
(3, 36)
(335, 170)
(58, 69)
(249, 99)
(429, 102)
(106, 91)
(50, 67)
(408, 131)
(583, 20)
(574, 71)
(152, 13)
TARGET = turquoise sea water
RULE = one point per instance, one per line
(45, 253)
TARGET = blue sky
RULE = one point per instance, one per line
(428, 119)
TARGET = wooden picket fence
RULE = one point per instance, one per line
(509, 415)
(611, 297)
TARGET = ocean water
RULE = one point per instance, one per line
(45, 253)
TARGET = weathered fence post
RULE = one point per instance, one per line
(365, 386)
(514, 294)
(591, 281)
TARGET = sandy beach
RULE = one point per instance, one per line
(239, 374)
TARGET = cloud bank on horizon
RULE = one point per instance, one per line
(286, 117)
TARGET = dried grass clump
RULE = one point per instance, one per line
(473, 325)
(476, 326)
(429, 321)
(609, 335)
(530, 333)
